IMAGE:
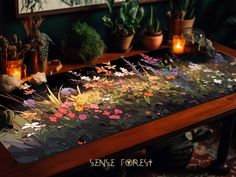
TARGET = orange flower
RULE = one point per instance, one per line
(171, 77)
(147, 113)
(148, 94)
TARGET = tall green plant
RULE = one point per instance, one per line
(182, 9)
(126, 20)
(153, 25)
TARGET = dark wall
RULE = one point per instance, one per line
(211, 16)
(57, 25)
(217, 19)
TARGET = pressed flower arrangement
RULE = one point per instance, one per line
(93, 103)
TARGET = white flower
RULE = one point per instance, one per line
(35, 125)
(194, 66)
(217, 81)
(109, 66)
(96, 78)
(85, 78)
(30, 134)
(126, 72)
(218, 73)
(207, 70)
(119, 74)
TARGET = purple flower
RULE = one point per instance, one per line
(68, 92)
(30, 103)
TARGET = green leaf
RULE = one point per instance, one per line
(147, 99)
(43, 131)
(110, 4)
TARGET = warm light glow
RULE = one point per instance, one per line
(14, 71)
(178, 45)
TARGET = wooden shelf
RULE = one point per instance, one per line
(109, 56)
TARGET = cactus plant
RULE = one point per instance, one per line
(126, 21)
(153, 25)
(182, 9)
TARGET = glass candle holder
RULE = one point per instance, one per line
(14, 68)
(178, 45)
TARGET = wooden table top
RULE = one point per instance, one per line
(124, 140)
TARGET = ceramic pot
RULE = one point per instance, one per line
(176, 26)
(120, 44)
(152, 42)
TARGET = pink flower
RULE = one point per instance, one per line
(62, 110)
(109, 107)
(118, 111)
(71, 115)
(106, 113)
(93, 106)
(52, 118)
(96, 117)
(66, 104)
(114, 117)
(58, 115)
(97, 110)
(82, 117)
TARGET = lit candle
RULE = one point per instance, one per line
(178, 45)
(14, 71)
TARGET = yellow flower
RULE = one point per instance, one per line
(144, 84)
(28, 115)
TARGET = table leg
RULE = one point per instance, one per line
(219, 166)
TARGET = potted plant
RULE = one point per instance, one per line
(12, 54)
(122, 24)
(39, 44)
(152, 36)
(181, 15)
(82, 44)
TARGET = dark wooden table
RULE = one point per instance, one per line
(224, 108)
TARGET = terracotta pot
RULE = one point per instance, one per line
(121, 44)
(176, 26)
(73, 55)
(152, 42)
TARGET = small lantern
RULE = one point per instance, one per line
(14, 68)
(178, 45)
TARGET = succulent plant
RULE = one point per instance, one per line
(182, 9)
(126, 20)
(153, 25)
(12, 49)
(38, 40)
